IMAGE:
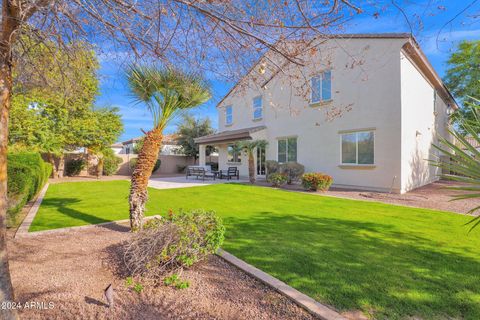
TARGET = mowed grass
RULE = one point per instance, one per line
(392, 262)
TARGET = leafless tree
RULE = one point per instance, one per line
(218, 37)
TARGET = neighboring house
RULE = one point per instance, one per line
(372, 108)
(169, 146)
(117, 148)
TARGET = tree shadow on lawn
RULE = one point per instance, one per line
(63, 206)
(360, 265)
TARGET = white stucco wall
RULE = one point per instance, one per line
(424, 116)
(371, 83)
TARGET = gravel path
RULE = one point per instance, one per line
(72, 269)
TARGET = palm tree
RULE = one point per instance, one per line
(463, 164)
(250, 147)
(167, 93)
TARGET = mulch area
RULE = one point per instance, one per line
(433, 196)
(71, 269)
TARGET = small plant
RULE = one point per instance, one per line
(271, 166)
(293, 171)
(277, 179)
(174, 280)
(181, 168)
(128, 282)
(182, 285)
(74, 167)
(168, 281)
(316, 181)
(138, 287)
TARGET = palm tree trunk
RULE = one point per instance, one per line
(141, 173)
(251, 167)
(10, 18)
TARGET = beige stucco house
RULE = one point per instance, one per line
(363, 108)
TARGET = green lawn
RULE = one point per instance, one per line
(390, 261)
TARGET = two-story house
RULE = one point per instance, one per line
(370, 109)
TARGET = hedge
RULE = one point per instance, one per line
(27, 174)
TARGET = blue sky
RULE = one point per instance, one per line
(437, 25)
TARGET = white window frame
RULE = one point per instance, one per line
(229, 107)
(321, 76)
(286, 148)
(256, 108)
(356, 132)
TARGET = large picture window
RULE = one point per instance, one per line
(228, 115)
(358, 147)
(257, 108)
(287, 149)
(321, 86)
(233, 154)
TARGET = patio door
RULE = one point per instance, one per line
(260, 162)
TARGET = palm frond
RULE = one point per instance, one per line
(464, 158)
(167, 92)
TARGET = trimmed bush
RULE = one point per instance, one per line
(27, 174)
(277, 179)
(316, 181)
(168, 245)
(293, 171)
(271, 166)
(133, 163)
(74, 167)
(110, 164)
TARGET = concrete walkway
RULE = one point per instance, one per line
(182, 182)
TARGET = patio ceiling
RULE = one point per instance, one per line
(229, 135)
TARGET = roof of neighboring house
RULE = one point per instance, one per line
(472, 141)
(170, 139)
(229, 135)
(117, 145)
(411, 48)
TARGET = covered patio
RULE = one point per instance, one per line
(228, 156)
(180, 182)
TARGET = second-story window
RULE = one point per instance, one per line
(321, 86)
(228, 115)
(257, 108)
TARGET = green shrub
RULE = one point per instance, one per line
(27, 174)
(181, 168)
(133, 163)
(293, 171)
(110, 164)
(166, 246)
(74, 167)
(316, 181)
(277, 179)
(272, 166)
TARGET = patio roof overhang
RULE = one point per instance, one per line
(229, 136)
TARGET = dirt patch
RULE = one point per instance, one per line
(433, 196)
(72, 269)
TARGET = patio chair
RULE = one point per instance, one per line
(199, 172)
(229, 173)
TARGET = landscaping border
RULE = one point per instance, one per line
(27, 221)
(25, 234)
(304, 301)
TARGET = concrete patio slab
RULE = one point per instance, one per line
(182, 182)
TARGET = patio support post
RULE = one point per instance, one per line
(202, 154)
